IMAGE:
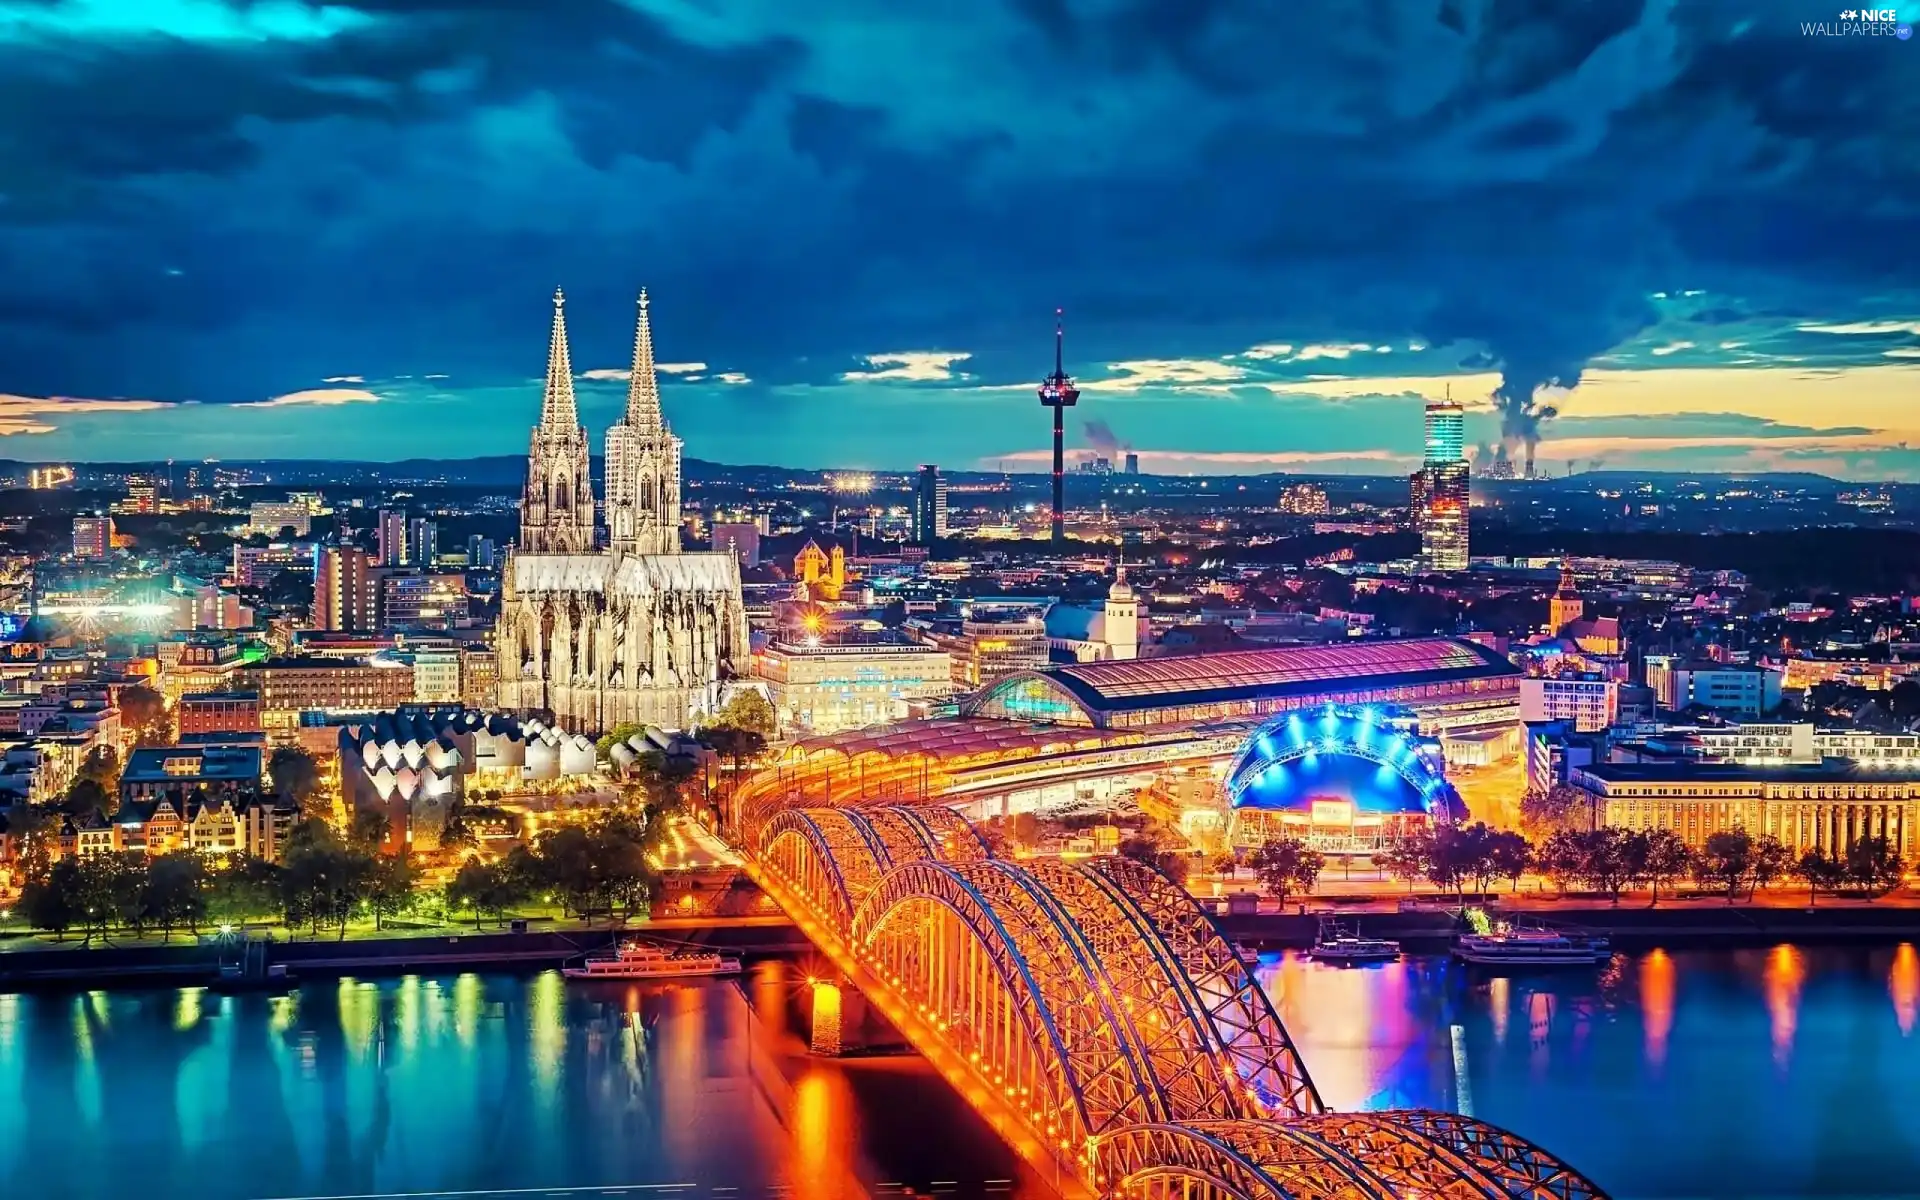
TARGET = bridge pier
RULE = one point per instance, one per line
(841, 1021)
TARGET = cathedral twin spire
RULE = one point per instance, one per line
(642, 461)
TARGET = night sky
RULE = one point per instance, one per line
(276, 229)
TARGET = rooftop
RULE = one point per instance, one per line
(1831, 770)
(1281, 671)
(164, 764)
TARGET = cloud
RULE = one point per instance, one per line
(322, 397)
(1547, 191)
(919, 366)
(1858, 328)
(35, 414)
(1149, 372)
(731, 377)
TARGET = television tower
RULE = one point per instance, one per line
(1059, 394)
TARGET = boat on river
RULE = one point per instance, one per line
(1342, 945)
(648, 960)
(1523, 943)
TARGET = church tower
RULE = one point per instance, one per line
(1121, 627)
(643, 461)
(556, 510)
(1566, 606)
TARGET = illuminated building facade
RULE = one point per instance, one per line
(1450, 685)
(643, 460)
(823, 575)
(1591, 704)
(288, 687)
(270, 517)
(219, 712)
(988, 644)
(929, 505)
(1441, 504)
(1825, 806)
(823, 687)
(92, 537)
(641, 632)
(344, 592)
(1566, 606)
(1304, 500)
(1341, 779)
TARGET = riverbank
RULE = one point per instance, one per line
(1692, 925)
(74, 964)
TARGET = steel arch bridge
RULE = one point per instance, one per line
(1094, 1013)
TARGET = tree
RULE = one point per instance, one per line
(457, 833)
(1407, 858)
(1820, 872)
(1663, 856)
(613, 737)
(1872, 863)
(88, 799)
(144, 711)
(1562, 856)
(1771, 860)
(1155, 847)
(1725, 860)
(1509, 855)
(1606, 861)
(480, 886)
(246, 889)
(1286, 865)
(1559, 807)
(737, 746)
(1024, 829)
(296, 778)
(174, 891)
(52, 901)
(748, 709)
(369, 829)
(102, 765)
(390, 887)
(33, 828)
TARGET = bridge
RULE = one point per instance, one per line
(1094, 1014)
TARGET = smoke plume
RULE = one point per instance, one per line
(1101, 438)
(1524, 409)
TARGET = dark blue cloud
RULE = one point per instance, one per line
(226, 202)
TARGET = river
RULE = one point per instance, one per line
(1766, 1073)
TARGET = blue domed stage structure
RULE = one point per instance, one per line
(1345, 780)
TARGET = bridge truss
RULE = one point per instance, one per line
(1098, 1007)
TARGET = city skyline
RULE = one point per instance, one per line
(854, 260)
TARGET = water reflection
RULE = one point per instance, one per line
(1903, 984)
(1775, 1073)
(425, 1084)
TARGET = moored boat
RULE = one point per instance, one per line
(647, 960)
(1514, 944)
(1344, 946)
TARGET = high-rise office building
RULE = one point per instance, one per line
(92, 537)
(929, 505)
(423, 542)
(1440, 501)
(391, 534)
(344, 589)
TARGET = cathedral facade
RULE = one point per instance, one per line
(638, 631)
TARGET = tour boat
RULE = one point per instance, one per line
(1337, 944)
(644, 960)
(1510, 946)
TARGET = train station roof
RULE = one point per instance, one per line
(1100, 688)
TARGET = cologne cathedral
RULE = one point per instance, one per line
(635, 631)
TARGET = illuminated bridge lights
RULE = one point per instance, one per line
(1095, 1005)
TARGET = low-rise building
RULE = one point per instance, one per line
(1735, 689)
(290, 686)
(1589, 702)
(1825, 806)
(823, 686)
(219, 712)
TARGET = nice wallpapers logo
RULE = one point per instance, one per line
(1860, 22)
